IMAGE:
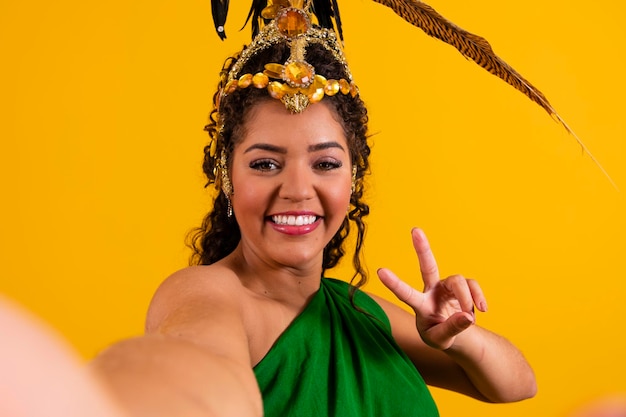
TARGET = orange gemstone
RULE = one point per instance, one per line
(244, 81)
(260, 80)
(331, 88)
(299, 73)
(354, 91)
(274, 70)
(276, 90)
(344, 86)
(317, 95)
(292, 22)
(319, 81)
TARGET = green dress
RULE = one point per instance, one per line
(336, 361)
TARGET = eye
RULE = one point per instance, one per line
(328, 164)
(264, 165)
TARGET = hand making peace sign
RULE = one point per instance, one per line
(446, 306)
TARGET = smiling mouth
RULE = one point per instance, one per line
(285, 220)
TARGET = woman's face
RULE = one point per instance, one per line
(291, 176)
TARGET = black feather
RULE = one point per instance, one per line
(324, 13)
(219, 10)
(327, 12)
(254, 14)
(337, 19)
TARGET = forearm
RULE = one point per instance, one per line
(163, 376)
(494, 366)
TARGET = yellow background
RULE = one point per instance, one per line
(103, 105)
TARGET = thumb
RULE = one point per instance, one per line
(442, 335)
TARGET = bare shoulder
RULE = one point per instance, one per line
(202, 304)
(203, 278)
(192, 286)
(195, 353)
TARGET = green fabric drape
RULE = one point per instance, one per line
(334, 360)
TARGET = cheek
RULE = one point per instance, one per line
(249, 195)
(339, 198)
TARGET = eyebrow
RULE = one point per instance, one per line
(278, 149)
(325, 145)
(266, 147)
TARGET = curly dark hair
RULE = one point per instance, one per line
(219, 234)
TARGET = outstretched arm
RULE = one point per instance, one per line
(194, 359)
(163, 376)
(448, 348)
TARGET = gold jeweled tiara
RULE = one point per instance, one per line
(294, 82)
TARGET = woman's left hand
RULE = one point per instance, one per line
(445, 308)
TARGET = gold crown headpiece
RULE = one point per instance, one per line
(295, 81)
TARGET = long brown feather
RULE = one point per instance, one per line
(478, 50)
(471, 46)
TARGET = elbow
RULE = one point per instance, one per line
(522, 388)
(515, 387)
(530, 389)
(527, 387)
(521, 393)
(521, 385)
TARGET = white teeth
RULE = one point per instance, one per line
(293, 220)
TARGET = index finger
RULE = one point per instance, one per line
(428, 265)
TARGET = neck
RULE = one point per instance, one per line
(279, 282)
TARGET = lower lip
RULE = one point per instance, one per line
(295, 230)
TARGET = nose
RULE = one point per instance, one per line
(297, 183)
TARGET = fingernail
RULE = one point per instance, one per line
(483, 306)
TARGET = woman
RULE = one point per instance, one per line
(254, 328)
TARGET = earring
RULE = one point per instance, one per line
(229, 211)
(227, 186)
(353, 187)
